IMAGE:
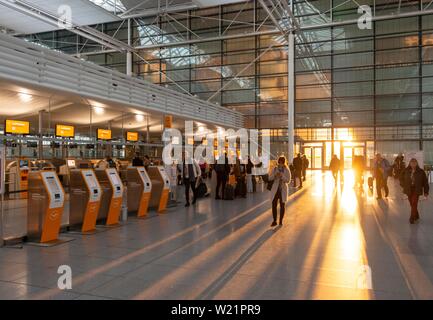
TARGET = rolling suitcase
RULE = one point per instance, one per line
(229, 192)
(241, 188)
(201, 190)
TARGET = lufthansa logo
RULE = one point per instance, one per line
(54, 215)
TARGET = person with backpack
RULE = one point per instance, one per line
(415, 184)
(280, 175)
(381, 172)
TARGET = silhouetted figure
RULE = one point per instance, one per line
(398, 166)
(280, 175)
(222, 171)
(297, 168)
(415, 184)
(305, 166)
(381, 172)
(190, 171)
(334, 166)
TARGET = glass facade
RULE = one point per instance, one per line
(368, 86)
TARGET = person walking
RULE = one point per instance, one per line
(305, 166)
(222, 171)
(297, 168)
(280, 175)
(334, 166)
(398, 166)
(190, 171)
(251, 179)
(381, 171)
(415, 184)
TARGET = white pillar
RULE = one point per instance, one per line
(129, 54)
(40, 132)
(291, 96)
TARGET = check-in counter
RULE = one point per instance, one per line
(112, 196)
(17, 173)
(45, 206)
(85, 200)
(160, 188)
(139, 190)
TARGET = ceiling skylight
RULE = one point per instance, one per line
(113, 6)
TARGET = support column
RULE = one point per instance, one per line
(291, 96)
(129, 53)
(40, 132)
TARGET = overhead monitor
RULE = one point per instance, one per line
(71, 163)
(65, 131)
(17, 127)
(104, 134)
(132, 136)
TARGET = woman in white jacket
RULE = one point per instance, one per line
(280, 176)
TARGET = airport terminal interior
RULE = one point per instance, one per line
(339, 92)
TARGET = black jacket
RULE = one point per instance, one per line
(137, 162)
(297, 163)
(421, 181)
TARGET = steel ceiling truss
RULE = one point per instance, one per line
(284, 15)
(54, 20)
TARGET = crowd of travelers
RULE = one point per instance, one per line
(237, 180)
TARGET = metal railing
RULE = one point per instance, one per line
(32, 64)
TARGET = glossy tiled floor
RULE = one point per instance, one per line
(335, 244)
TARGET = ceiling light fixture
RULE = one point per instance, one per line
(99, 110)
(25, 97)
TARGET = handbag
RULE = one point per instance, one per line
(270, 184)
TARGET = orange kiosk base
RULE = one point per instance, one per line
(110, 180)
(85, 199)
(45, 209)
(139, 191)
(160, 188)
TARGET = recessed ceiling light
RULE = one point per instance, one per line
(25, 97)
(99, 110)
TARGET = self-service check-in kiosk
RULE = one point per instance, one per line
(85, 200)
(160, 188)
(139, 190)
(45, 207)
(111, 202)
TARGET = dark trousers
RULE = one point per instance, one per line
(335, 175)
(298, 174)
(304, 174)
(189, 184)
(221, 184)
(413, 200)
(278, 198)
(381, 183)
